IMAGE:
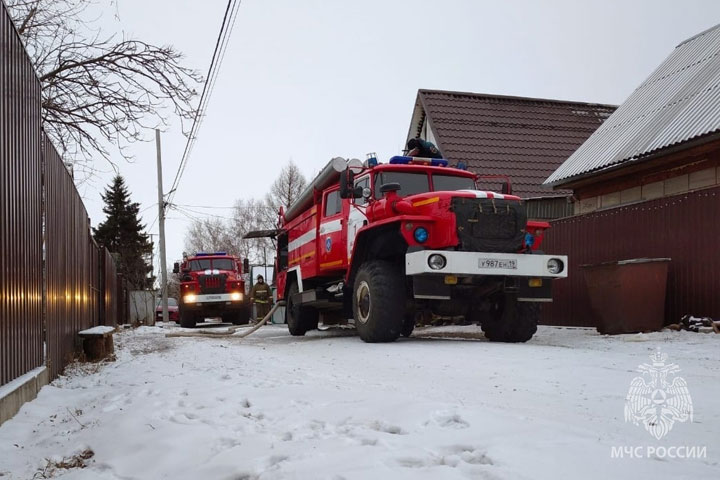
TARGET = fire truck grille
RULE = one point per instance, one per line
(212, 283)
(489, 224)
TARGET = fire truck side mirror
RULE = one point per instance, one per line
(506, 188)
(176, 267)
(347, 177)
(246, 265)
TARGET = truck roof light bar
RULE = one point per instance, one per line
(402, 160)
(206, 254)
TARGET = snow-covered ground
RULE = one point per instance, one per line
(443, 404)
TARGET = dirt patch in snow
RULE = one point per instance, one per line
(55, 466)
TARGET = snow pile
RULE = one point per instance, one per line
(443, 404)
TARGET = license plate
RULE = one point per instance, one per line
(213, 297)
(501, 263)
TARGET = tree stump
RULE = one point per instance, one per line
(98, 342)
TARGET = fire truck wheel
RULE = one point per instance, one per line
(187, 319)
(379, 302)
(408, 324)
(512, 321)
(236, 318)
(299, 319)
(244, 315)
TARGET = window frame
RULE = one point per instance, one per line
(338, 203)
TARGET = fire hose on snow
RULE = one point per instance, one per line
(230, 331)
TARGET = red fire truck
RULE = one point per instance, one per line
(211, 285)
(390, 244)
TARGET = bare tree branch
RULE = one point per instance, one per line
(98, 90)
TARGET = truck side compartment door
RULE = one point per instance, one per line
(331, 232)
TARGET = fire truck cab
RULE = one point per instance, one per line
(391, 244)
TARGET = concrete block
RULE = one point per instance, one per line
(653, 190)
(23, 389)
(675, 185)
(702, 179)
(630, 195)
(610, 200)
(586, 205)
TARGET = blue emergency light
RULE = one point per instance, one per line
(403, 160)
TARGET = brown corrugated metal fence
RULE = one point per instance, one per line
(71, 259)
(40, 303)
(684, 228)
(21, 335)
(110, 287)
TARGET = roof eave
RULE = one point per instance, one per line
(416, 119)
(572, 182)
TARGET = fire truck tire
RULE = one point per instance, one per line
(379, 302)
(299, 319)
(187, 319)
(408, 325)
(236, 318)
(513, 322)
(244, 315)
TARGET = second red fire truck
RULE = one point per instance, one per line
(211, 285)
(388, 244)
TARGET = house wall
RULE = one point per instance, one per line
(674, 185)
(675, 173)
(548, 208)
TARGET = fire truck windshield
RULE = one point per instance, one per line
(210, 264)
(412, 183)
(449, 183)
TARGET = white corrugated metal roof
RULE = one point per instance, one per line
(678, 102)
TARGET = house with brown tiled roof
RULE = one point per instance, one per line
(523, 138)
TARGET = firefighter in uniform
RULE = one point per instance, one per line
(417, 147)
(261, 296)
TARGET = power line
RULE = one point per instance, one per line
(190, 213)
(218, 55)
(208, 206)
(153, 223)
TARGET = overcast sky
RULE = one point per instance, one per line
(308, 80)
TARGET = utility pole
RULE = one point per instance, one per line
(161, 223)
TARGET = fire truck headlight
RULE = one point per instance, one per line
(421, 235)
(437, 261)
(555, 266)
(189, 298)
(236, 296)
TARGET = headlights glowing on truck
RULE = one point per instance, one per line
(189, 298)
(236, 296)
(555, 266)
(437, 261)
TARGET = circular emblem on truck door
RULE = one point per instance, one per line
(328, 244)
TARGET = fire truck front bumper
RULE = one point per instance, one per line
(444, 275)
(192, 300)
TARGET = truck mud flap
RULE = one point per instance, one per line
(534, 289)
(430, 287)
